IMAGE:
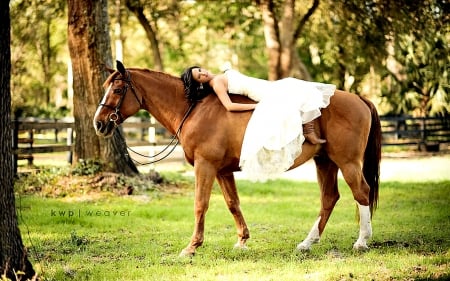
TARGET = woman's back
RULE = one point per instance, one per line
(240, 84)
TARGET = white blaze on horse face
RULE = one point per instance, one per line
(102, 102)
(365, 228)
(313, 237)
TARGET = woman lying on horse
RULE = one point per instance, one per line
(274, 137)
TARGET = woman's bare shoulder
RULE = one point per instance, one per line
(219, 80)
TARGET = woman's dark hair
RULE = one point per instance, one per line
(193, 90)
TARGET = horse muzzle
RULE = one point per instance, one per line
(104, 129)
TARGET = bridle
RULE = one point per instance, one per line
(116, 116)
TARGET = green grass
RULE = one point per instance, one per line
(139, 237)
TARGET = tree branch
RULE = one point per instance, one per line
(303, 21)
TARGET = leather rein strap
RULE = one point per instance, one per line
(174, 141)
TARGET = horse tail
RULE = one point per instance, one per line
(372, 156)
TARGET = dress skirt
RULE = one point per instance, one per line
(274, 135)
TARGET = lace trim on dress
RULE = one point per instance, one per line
(268, 164)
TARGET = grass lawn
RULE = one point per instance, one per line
(139, 237)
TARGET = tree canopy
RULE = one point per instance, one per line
(394, 52)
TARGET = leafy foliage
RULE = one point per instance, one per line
(395, 52)
(391, 51)
(87, 167)
(39, 56)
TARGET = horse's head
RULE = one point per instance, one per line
(116, 105)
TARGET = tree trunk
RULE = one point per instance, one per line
(286, 38)
(271, 34)
(280, 36)
(299, 69)
(90, 51)
(13, 255)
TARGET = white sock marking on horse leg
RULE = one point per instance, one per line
(365, 228)
(313, 237)
(240, 245)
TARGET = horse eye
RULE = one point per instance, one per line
(117, 91)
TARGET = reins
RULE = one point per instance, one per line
(175, 138)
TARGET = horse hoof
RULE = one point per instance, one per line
(186, 254)
(303, 247)
(360, 247)
(240, 247)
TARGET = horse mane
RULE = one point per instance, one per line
(160, 75)
(164, 75)
(157, 73)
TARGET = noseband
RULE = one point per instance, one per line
(116, 117)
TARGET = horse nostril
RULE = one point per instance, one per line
(98, 125)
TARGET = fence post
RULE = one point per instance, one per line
(31, 138)
(69, 143)
(56, 130)
(423, 128)
(422, 144)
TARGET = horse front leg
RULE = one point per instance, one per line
(204, 179)
(329, 195)
(228, 185)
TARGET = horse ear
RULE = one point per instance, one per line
(120, 67)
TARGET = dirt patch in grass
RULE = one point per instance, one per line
(64, 184)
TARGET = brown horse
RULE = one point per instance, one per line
(212, 137)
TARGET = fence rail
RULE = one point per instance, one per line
(31, 136)
(425, 133)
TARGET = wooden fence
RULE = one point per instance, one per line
(31, 136)
(426, 133)
(25, 143)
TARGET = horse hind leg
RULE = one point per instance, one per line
(327, 178)
(228, 185)
(365, 228)
(354, 177)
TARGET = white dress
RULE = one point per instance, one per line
(274, 134)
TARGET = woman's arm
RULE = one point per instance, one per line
(219, 84)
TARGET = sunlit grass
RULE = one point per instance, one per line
(139, 237)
